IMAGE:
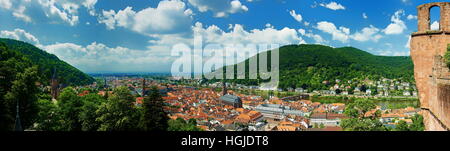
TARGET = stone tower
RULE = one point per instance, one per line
(432, 75)
(54, 85)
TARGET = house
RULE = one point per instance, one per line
(327, 119)
(406, 93)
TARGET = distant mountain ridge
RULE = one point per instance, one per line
(67, 74)
(308, 66)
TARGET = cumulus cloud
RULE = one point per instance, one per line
(332, 6)
(98, 57)
(434, 25)
(317, 38)
(238, 35)
(341, 34)
(65, 11)
(411, 17)
(90, 5)
(397, 25)
(168, 17)
(296, 16)
(19, 34)
(19, 13)
(220, 8)
(366, 34)
(6, 4)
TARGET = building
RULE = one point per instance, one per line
(431, 73)
(276, 111)
(231, 100)
(327, 119)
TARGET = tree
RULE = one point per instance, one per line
(24, 92)
(402, 126)
(417, 124)
(70, 104)
(48, 118)
(118, 113)
(181, 125)
(91, 103)
(154, 117)
(358, 120)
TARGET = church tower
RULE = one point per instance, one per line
(54, 86)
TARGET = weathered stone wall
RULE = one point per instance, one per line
(431, 74)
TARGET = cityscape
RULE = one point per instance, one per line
(226, 65)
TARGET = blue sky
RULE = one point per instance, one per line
(137, 35)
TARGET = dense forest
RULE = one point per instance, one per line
(48, 63)
(307, 66)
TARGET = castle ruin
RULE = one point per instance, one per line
(431, 73)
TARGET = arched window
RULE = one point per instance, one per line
(435, 17)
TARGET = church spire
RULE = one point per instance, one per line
(18, 125)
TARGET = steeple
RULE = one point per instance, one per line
(18, 125)
(54, 85)
(143, 87)
(224, 88)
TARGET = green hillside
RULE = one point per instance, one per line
(307, 66)
(46, 62)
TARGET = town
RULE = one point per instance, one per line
(220, 107)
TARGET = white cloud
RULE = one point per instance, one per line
(19, 34)
(56, 11)
(66, 11)
(434, 25)
(98, 57)
(411, 17)
(220, 8)
(366, 34)
(90, 5)
(169, 17)
(342, 34)
(407, 45)
(333, 6)
(6, 4)
(397, 25)
(19, 13)
(392, 53)
(238, 35)
(317, 38)
(296, 16)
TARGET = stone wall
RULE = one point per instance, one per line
(431, 74)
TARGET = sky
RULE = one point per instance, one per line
(107, 36)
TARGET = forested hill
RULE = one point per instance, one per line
(308, 66)
(46, 62)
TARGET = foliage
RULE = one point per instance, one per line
(118, 113)
(401, 126)
(359, 120)
(18, 79)
(307, 66)
(46, 62)
(181, 125)
(24, 92)
(447, 56)
(154, 118)
(48, 118)
(70, 104)
(91, 103)
(417, 124)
